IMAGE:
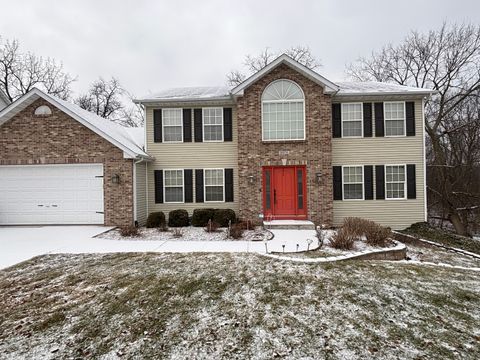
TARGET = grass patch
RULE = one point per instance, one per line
(425, 231)
(235, 306)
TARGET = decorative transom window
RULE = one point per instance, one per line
(173, 186)
(395, 181)
(172, 122)
(212, 124)
(352, 120)
(353, 182)
(283, 111)
(394, 113)
(214, 185)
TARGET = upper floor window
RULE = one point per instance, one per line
(283, 112)
(212, 124)
(172, 122)
(394, 118)
(352, 119)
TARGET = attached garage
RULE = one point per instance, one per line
(51, 194)
(60, 164)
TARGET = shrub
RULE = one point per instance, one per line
(342, 240)
(355, 226)
(212, 226)
(127, 231)
(224, 216)
(236, 231)
(156, 219)
(377, 235)
(178, 218)
(163, 228)
(202, 216)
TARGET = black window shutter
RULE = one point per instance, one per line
(337, 120)
(411, 182)
(197, 125)
(228, 185)
(227, 124)
(157, 125)
(199, 185)
(367, 120)
(379, 128)
(188, 185)
(380, 181)
(410, 117)
(368, 181)
(337, 183)
(158, 175)
(187, 125)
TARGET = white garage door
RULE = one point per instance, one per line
(51, 194)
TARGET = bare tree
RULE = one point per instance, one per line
(20, 72)
(252, 64)
(448, 61)
(106, 99)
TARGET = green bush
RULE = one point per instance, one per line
(223, 216)
(178, 218)
(156, 220)
(201, 216)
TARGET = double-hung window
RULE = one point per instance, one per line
(352, 119)
(172, 122)
(395, 181)
(394, 113)
(214, 185)
(352, 182)
(173, 186)
(212, 124)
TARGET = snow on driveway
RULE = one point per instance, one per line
(22, 243)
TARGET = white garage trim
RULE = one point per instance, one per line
(51, 194)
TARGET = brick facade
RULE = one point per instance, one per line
(58, 139)
(315, 151)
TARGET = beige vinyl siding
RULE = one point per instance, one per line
(141, 192)
(397, 214)
(202, 155)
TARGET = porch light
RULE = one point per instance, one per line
(318, 177)
(115, 179)
(251, 179)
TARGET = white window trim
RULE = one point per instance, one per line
(163, 126)
(203, 125)
(363, 183)
(404, 182)
(285, 101)
(361, 127)
(404, 119)
(205, 186)
(183, 187)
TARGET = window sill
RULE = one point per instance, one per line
(283, 141)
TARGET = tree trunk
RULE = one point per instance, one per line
(457, 223)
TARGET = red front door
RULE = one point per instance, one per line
(284, 192)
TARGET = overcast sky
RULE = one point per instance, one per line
(151, 45)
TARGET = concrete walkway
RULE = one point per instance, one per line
(22, 243)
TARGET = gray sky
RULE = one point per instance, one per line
(151, 45)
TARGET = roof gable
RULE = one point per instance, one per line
(329, 87)
(114, 133)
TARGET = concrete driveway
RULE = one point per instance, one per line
(22, 243)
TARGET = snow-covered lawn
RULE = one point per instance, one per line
(235, 306)
(189, 233)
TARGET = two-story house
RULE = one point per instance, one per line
(286, 143)
(289, 144)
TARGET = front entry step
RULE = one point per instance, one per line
(289, 224)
